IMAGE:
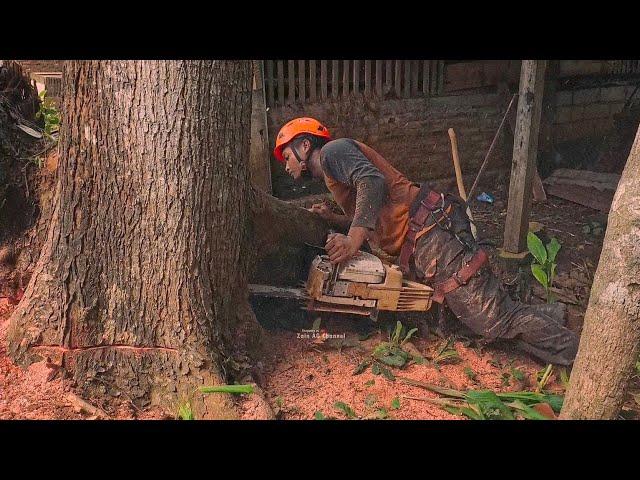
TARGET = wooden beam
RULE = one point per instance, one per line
(379, 78)
(525, 150)
(280, 67)
(335, 86)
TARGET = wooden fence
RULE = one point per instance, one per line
(308, 81)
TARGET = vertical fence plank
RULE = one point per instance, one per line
(388, 78)
(345, 78)
(312, 80)
(440, 77)
(407, 79)
(367, 78)
(280, 67)
(269, 81)
(434, 77)
(335, 79)
(323, 79)
(291, 74)
(398, 78)
(356, 77)
(379, 78)
(425, 77)
(415, 71)
(302, 87)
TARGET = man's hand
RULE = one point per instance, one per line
(323, 210)
(342, 247)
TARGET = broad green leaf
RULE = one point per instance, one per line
(395, 403)
(517, 374)
(375, 369)
(540, 275)
(393, 360)
(409, 335)
(490, 404)
(396, 334)
(468, 371)
(346, 409)
(319, 415)
(228, 389)
(369, 383)
(552, 273)
(382, 413)
(386, 373)
(536, 248)
(526, 411)
(362, 367)
(552, 249)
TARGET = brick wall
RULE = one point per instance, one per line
(409, 133)
(582, 112)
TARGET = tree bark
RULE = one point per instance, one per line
(610, 339)
(142, 276)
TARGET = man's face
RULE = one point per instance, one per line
(292, 165)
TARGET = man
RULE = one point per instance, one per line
(429, 233)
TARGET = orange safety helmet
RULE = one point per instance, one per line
(296, 127)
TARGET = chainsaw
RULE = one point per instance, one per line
(362, 285)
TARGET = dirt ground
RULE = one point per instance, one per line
(304, 376)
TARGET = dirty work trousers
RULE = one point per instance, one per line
(484, 306)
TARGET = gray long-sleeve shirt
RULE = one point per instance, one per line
(342, 160)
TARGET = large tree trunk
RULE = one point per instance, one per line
(610, 338)
(143, 272)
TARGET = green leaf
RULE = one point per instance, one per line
(552, 249)
(386, 373)
(393, 360)
(395, 403)
(375, 369)
(228, 389)
(468, 371)
(552, 273)
(540, 274)
(526, 411)
(185, 412)
(369, 383)
(536, 248)
(346, 409)
(319, 415)
(381, 413)
(396, 333)
(362, 367)
(490, 404)
(409, 335)
(517, 374)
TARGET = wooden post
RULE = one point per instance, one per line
(345, 78)
(367, 78)
(525, 149)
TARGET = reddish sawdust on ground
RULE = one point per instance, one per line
(306, 376)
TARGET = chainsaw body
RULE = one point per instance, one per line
(361, 286)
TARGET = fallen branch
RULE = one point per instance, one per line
(83, 405)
